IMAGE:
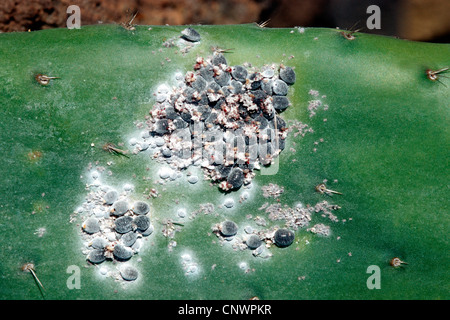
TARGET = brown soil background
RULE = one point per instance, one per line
(422, 20)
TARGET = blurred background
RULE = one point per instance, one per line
(420, 20)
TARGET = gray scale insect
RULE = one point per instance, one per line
(228, 228)
(129, 273)
(120, 208)
(283, 237)
(123, 224)
(122, 252)
(91, 225)
(96, 256)
(140, 207)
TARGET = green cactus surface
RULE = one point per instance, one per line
(379, 136)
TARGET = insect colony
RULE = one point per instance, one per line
(219, 117)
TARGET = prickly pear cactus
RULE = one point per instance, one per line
(98, 201)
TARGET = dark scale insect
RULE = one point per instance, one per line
(219, 103)
(142, 223)
(280, 103)
(211, 119)
(281, 144)
(258, 97)
(180, 123)
(96, 256)
(218, 59)
(186, 116)
(261, 121)
(199, 84)
(223, 170)
(204, 111)
(161, 127)
(213, 87)
(122, 253)
(191, 95)
(287, 74)
(123, 224)
(236, 86)
(207, 73)
(236, 178)
(228, 228)
(191, 35)
(283, 237)
(239, 73)
(254, 85)
(223, 79)
(171, 113)
(147, 231)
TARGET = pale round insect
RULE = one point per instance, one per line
(193, 179)
(121, 252)
(182, 213)
(99, 243)
(228, 203)
(267, 72)
(253, 242)
(141, 207)
(91, 225)
(96, 256)
(142, 222)
(120, 208)
(279, 88)
(110, 197)
(284, 237)
(129, 273)
(228, 228)
(123, 224)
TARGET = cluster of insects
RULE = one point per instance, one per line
(114, 226)
(223, 118)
